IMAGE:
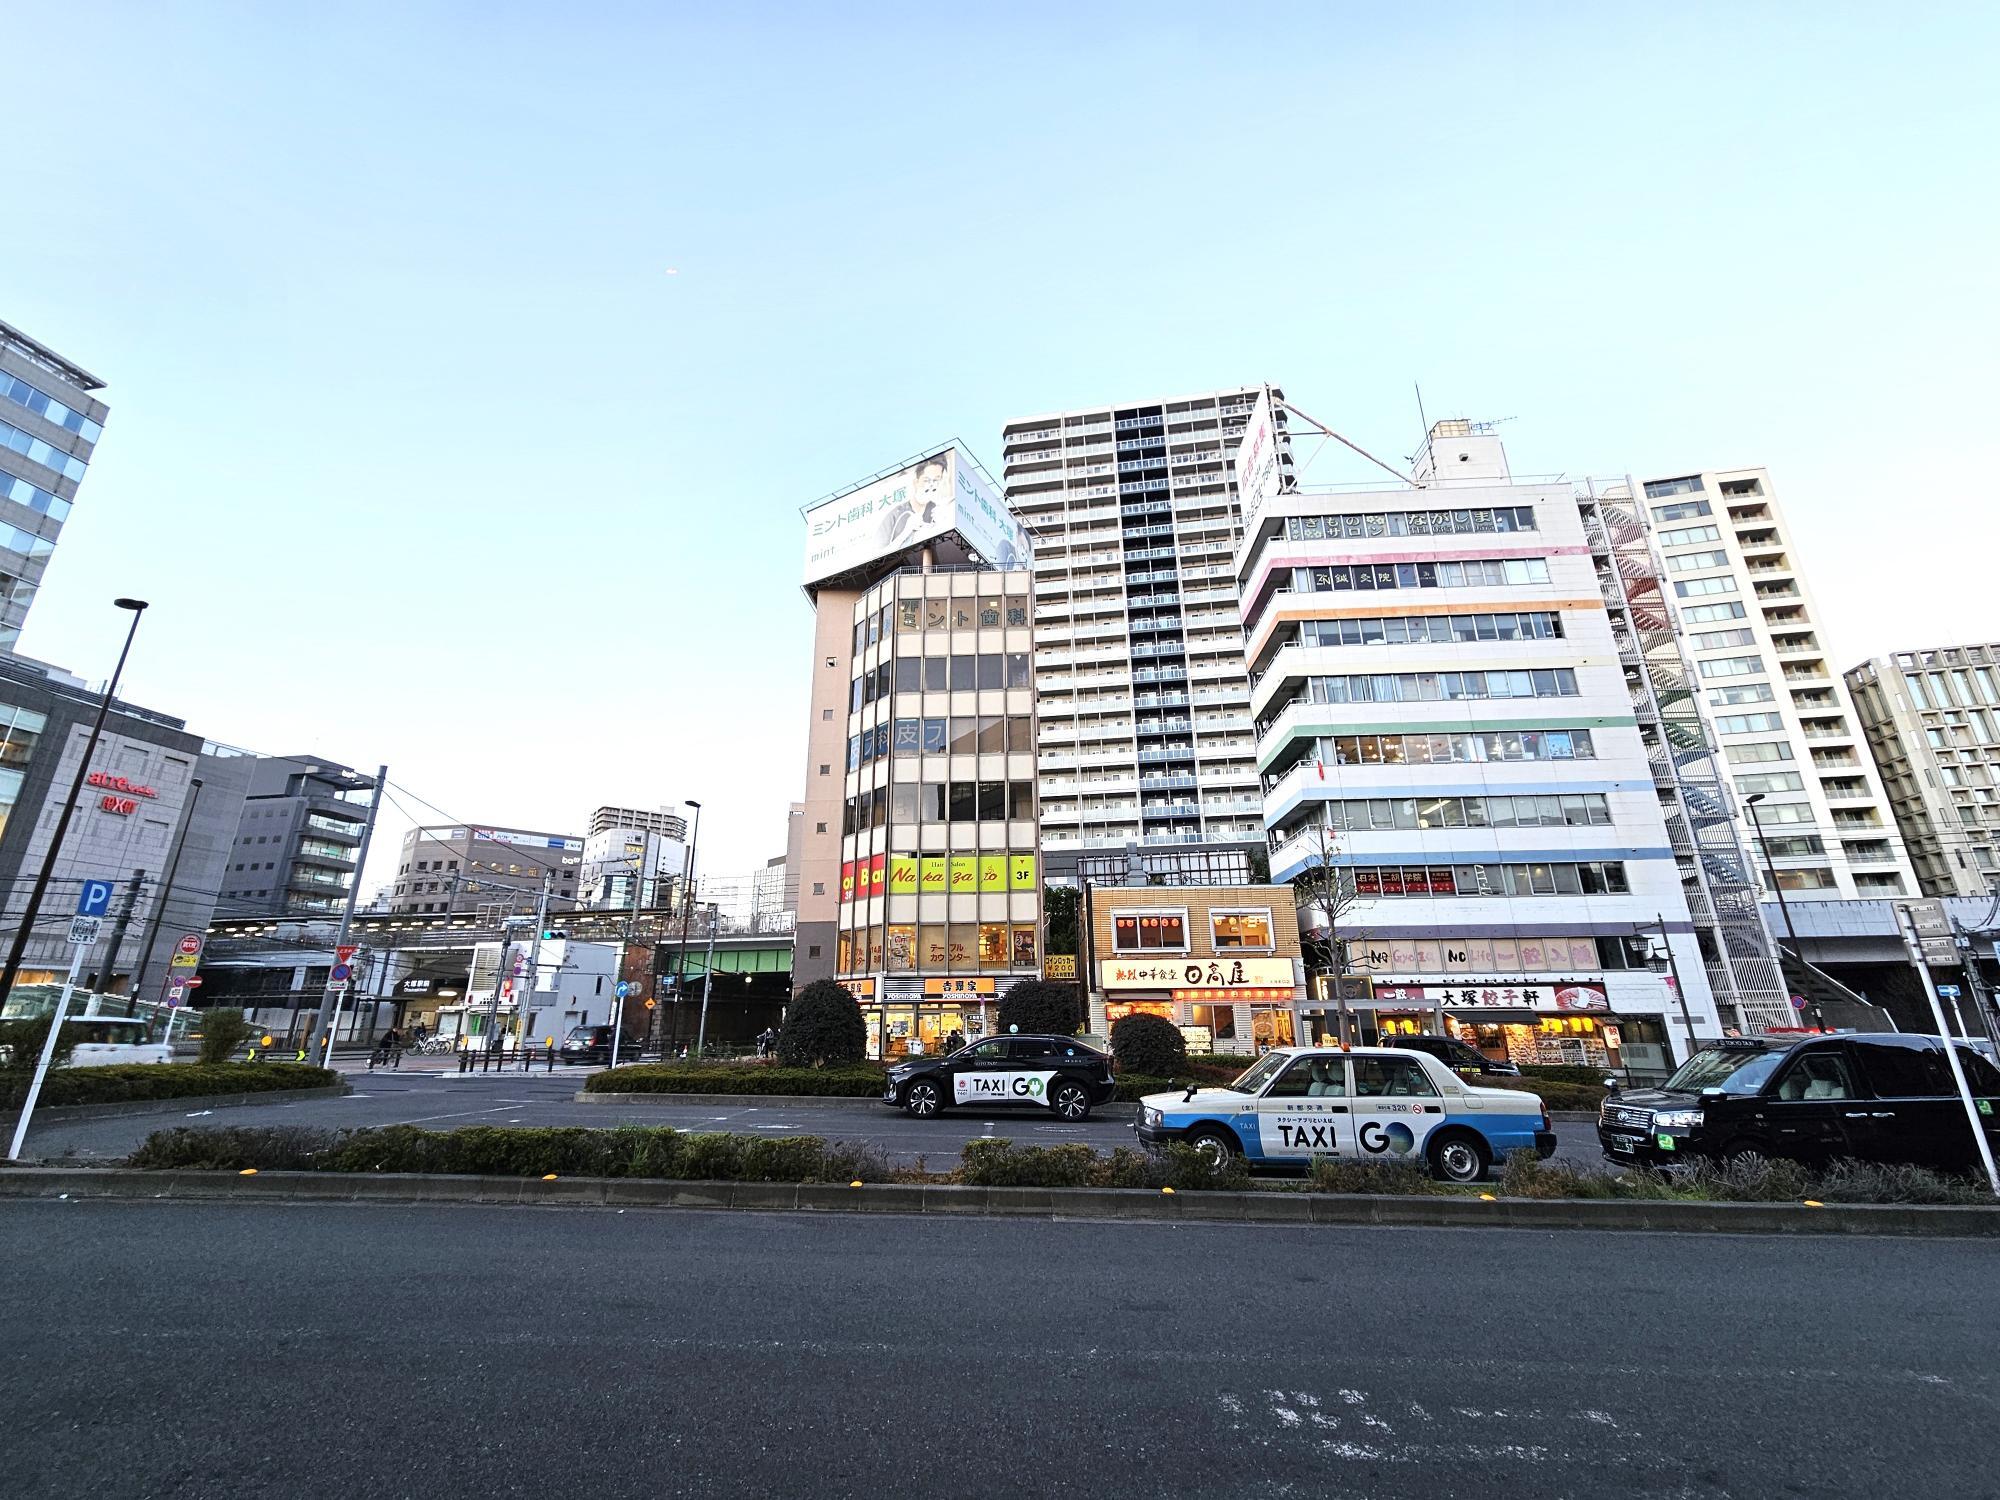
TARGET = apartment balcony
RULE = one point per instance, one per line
(1798, 646)
(1153, 781)
(1181, 754)
(1786, 590)
(1160, 811)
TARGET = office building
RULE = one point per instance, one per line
(475, 870)
(49, 426)
(627, 845)
(1443, 719)
(299, 838)
(919, 884)
(1764, 684)
(1932, 719)
(1139, 679)
(156, 798)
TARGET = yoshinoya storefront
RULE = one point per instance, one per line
(1613, 1021)
(1221, 1004)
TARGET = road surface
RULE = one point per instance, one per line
(259, 1350)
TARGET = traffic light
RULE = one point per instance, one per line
(550, 934)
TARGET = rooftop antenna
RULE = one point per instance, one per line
(1421, 418)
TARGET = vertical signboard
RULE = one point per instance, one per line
(1258, 474)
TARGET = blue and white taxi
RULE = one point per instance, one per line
(1360, 1104)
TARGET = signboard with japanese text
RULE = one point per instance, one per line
(1258, 473)
(1059, 966)
(1198, 973)
(1497, 994)
(931, 498)
(966, 986)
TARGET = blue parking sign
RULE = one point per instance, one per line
(94, 900)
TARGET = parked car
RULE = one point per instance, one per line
(592, 1044)
(1466, 1061)
(1064, 1075)
(1363, 1104)
(1880, 1096)
(116, 1039)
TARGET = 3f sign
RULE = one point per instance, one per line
(94, 900)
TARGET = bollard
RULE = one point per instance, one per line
(552, 1059)
(464, 1060)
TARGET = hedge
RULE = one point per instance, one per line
(1555, 1093)
(125, 1082)
(854, 1082)
(514, 1151)
(1001, 1163)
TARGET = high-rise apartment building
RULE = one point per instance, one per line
(49, 427)
(1443, 717)
(1932, 719)
(458, 870)
(1140, 685)
(627, 845)
(1774, 706)
(919, 879)
(298, 838)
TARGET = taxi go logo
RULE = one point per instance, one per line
(1397, 1139)
(1029, 1088)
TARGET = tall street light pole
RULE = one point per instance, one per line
(166, 892)
(34, 907)
(1772, 870)
(687, 911)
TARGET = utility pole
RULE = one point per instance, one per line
(707, 977)
(1975, 981)
(1674, 969)
(1906, 927)
(625, 949)
(534, 962)
(104, 977)
(687, 911)
(1771, 870)
(166, 891)
(321, 1046)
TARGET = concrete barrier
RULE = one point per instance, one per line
(1269, 1206)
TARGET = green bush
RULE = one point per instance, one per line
(1871, 1182)
(223, 1031)
(21, 1045)
(1564, 1073)
(1037, 1006)
(126, 1082)
(1220, 1061)
(823, 1025)
(1001, 1163)
(1402, 1178)
(849, 1082)
(504, 1151)
(1554, 1092)
(1149, 1044)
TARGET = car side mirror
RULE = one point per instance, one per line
(1190, 1092)
(1711, 1092)
(1611, 1082)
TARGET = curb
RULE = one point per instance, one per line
(58, 1114)
(1116, 1110)
(1133, 1204)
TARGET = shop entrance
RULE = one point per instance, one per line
(915, 1029)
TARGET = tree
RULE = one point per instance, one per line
(21, 1049)
(1326, 896)
(1036, 1005)
(222, 1032)
(1062, 904)
(1148, 1044)
(823, 1025)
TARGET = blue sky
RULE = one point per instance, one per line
(425, 453)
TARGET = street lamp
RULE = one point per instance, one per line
(34, 906)
(687, 911)
(1659, 924)
(1772, 870)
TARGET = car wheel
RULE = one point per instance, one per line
(1070, 1101)
(1456, 1156)
(923, 1099)
(1214, 1143)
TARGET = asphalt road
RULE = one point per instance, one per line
(258, 1350)
(444, 1100)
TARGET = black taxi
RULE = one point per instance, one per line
(1873, 1096)
(1064, 1075)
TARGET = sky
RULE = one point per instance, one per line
(469, 364)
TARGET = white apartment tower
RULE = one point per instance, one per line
(1141, 692)
(1778, 713)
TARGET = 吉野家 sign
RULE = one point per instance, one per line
(1201, 973)
(966, 986)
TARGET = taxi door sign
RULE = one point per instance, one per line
(1001, 1088)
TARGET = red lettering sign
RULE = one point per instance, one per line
(123, 806)
(110, 783)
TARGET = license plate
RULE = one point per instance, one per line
(1624, 1145)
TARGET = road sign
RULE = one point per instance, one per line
(83, 930)
(189, 946)
(340, 972)
(94, 900)
(1934, 932)
(342, 955)
(1949, 991)
(624, 989)
(1798, 1002)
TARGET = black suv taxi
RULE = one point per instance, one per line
(1454, 1054)
(1874, 1096)
(1061, 1074)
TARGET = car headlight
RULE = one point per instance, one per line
(1670, 1118)
(1148, 1115)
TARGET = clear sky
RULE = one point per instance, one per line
(468, 364)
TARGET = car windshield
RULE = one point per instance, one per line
(1729, 1069)
(1253, 1078)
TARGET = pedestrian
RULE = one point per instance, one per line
(392, 1044)
(955, 1041)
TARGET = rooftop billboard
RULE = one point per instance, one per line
(934, 497)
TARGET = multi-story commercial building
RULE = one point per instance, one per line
(298, 839)
(1443, 720)
(920, 874)
(1139, 676)
(628, 844)
(156, 799)
(1932, 719)
(462, 869)
(1773, 704)
(49, 427)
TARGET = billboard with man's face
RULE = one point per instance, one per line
(933, 497)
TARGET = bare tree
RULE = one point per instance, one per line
(1326, 896)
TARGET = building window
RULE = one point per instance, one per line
(1241, 929)
(819, 889)
(819, 828)
(1149, 931)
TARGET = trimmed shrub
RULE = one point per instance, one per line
(223, 1031)
(1402, 1178)
(123, 1082)
(269, 1148)
(823, 1025)
(21, 1044)
(847, 1082)
(1564, 1073)
(1001, 1163)
(1038, 1006)
(1554, 1092)
(1871, 1182)
(1149, 1044)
